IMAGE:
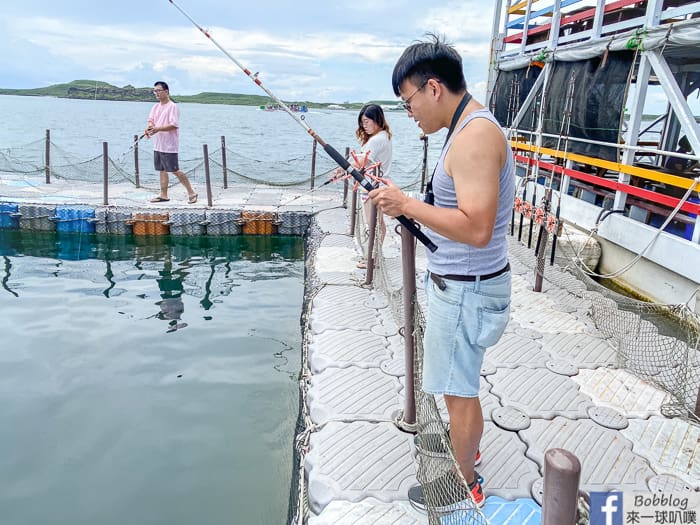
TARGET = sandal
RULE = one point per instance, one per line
(159, 199)
(192, 199)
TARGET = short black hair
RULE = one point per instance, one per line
(162, 84)
(434, 58)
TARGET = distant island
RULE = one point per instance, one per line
(96, 90)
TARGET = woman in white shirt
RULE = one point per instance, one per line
(375, 137)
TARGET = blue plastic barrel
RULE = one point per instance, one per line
(8, 218)
(75, 219)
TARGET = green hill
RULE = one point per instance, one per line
(96, 90)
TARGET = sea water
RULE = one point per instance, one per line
(81, 126)
(148, 380)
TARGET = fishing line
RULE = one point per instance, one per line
(407, 223)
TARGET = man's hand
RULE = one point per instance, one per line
(150, 131)
(389, 199)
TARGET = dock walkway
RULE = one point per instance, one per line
(552, 381)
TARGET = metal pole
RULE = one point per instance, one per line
(370, 241)
(313, 165)
(136, 161)
(408, 263)
(562, 472)
(223, 160)
(345, 182)
(105, 175)
(47, 157)
(353, 213)
(206, 174)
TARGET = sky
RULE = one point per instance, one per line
(312, 50)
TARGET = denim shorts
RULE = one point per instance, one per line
(463, 320)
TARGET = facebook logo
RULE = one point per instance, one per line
(606, 508)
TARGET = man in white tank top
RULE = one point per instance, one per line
(468, 281)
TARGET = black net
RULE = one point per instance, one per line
(597, 105)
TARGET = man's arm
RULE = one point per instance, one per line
(474, 162)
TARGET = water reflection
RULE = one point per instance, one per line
(176, 264)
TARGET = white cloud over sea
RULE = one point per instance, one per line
(310, 51)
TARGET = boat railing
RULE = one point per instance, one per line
(527, 26)
(652, 192)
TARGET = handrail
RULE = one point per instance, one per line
(656, 176)
(614, 185)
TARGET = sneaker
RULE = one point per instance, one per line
(447, 493)
(431, 443)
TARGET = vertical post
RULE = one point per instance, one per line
(136, 161)
(353, 213)
(408, 263)
(223, 160)
(345, 182)
(424, 171)
(370, 242)
(47, 157)
(562, 472)
(105, 174)
(207, 178)
(313, 165)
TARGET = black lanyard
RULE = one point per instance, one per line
(429, 195)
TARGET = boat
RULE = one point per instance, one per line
(297, 108)
(599, 101)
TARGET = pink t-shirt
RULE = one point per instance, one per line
(164, 115)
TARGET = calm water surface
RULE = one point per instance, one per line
(147, 380)
(80, 127)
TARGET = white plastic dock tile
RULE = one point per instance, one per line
(513, 351)
(620, 390)
(583, 350)
(333, 295)
(672, 446)
(539, 393)
(507, 472)
(352, 461)
(607, 459)
(369, 511)
(333, 221)
(342, 317)
(344, 348)
(346, 394)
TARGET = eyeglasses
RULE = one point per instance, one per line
(406, 104)
(158, 91)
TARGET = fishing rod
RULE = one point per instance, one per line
(407, 223)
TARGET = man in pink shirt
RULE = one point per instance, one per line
(163, 125)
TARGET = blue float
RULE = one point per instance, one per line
(77, 220)
(9, 218)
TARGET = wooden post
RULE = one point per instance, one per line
(223, 160)
(313, 165)
(47, 157)
(105, 175)
(206, 174)
(136, 161)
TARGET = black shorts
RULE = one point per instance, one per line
(165, 161)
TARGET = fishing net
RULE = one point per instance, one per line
(447, 500)
(659, 343)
